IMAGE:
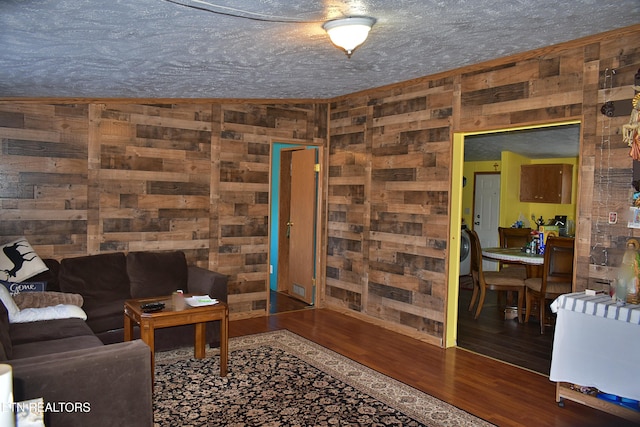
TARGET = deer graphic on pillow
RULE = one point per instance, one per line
(16, 257)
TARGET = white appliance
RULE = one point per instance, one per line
(465, 253)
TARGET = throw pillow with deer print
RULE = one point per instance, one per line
(18, 261)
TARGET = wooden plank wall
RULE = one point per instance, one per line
(44, 176)
(243, 195)
(150, 167)
(91, 178)
(608, 171)
(388, 201)
(348, 215)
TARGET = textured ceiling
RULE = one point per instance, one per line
(160, 49)
(542, 143)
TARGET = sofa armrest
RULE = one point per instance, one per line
(206, 282)
(99, 386)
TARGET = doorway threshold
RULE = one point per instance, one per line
(281, 302)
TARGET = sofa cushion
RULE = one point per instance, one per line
(105, 316)
(60, 311)
(97, 278)
(46, 299)
(22, 333)
(5, 337)
(114, 380)
(40, 348)
(50, 276)
(156, 273)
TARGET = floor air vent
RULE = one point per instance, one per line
(298, 290)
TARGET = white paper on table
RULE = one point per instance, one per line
(199, 301)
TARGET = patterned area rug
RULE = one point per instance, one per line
(281, 379)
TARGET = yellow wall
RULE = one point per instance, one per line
(469, 171)
(511, 209)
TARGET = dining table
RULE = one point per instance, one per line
(532, 261)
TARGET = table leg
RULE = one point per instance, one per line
(128, 328)
(147, 335)
(199, 345)
(224, 343)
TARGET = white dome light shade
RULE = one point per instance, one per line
(349, 33)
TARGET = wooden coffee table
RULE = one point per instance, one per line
(168, 316)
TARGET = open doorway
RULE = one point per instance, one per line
(294, 190)
(542, 143)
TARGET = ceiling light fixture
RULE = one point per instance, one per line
(349, 33)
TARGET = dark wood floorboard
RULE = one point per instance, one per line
(280, 302)
(506, 340)
(497, 392)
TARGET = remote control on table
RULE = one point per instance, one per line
(152, 306)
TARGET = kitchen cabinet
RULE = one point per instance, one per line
(546, 183)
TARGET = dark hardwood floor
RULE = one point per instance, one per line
(491, 335)
(500, 393)
(280, 302)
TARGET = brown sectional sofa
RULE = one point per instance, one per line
(72, 360)
(64, 363)
(105, 281)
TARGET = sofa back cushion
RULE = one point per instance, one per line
(97, 278)
(155, 274)
(50, 276)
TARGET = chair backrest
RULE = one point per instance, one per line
(514, 237)
(558, 262)
(476, 255)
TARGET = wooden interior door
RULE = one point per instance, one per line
(301, 225)
(284, 209)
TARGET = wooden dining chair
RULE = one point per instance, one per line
(556, 277)
(513, 238)
(491, 280)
